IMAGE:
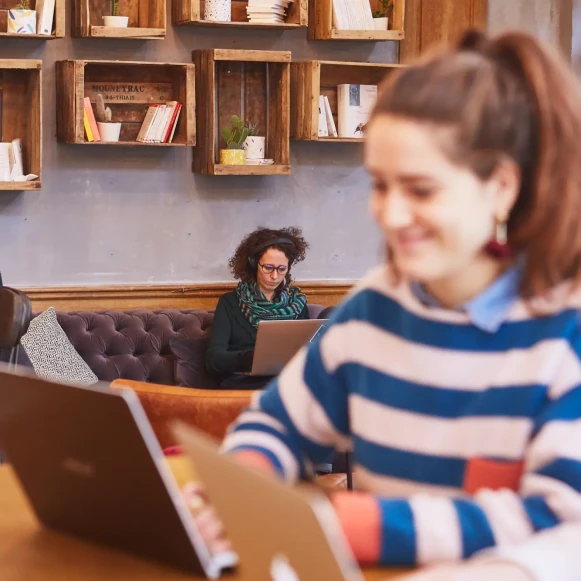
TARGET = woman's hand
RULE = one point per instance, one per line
(207, 521)
(470, 571)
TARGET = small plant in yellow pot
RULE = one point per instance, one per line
(234, 136)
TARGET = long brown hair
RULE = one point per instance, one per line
(508, 96)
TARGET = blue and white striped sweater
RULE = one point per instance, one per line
(421, 395)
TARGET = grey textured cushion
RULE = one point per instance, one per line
(51, 353)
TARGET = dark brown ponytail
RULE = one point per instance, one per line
(508, 96)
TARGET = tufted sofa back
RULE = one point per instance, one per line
(132, 344)
(135, 344)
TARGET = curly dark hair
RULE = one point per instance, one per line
(239, 263)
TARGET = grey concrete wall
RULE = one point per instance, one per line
(116, 215)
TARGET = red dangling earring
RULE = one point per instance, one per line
(498, 247)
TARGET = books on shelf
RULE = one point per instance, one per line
(327, 126)
(354, 106)
(44, 16)
(330, 121)
(267, 11)
(91, 128)
(160, 123)
(352, 15)
(11, 163)
(323, 129)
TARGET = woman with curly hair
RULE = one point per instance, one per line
(262, 263)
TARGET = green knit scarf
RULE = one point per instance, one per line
(288, 304)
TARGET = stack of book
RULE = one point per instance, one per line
(91, 128)
(267, 11)
(327, 126)
(352, 15)
(160, 123)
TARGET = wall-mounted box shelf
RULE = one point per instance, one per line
(58, 22)
(128, 88)
(146, 19)
(21, 116)
(310, 79)
(192, 12)
(252, 84)
(321, 23)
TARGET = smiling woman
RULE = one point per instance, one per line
(262, 263)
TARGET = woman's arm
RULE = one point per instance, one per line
(219, 359)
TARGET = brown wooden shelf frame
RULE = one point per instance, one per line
(254, 84)
(310, 79)
(192, 12)
(147, 19)
(21, 117)
(146, 83)
(321, 23)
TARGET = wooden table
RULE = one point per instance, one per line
(29, 552)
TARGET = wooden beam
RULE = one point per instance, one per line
(153, 297)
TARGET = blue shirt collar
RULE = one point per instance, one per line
(488, 309)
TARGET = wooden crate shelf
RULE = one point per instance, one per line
(252, 84)
(21, 116)
(147, 19)
(192, 12)
(128, 88)
(310, 79)
(58, 23)
(321, 23)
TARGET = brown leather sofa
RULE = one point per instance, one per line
(131, 348)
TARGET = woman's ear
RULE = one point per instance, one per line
(503, 187)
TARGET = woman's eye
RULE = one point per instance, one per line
(379, 186)
(422, 192)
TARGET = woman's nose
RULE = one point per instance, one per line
(395, 211)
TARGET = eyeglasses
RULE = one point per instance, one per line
(268, 268)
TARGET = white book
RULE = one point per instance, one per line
(354, 104)
(330, 121)
(45, 19)
(340, 16)
(163, 123)
(5, 162)
(323, 130)
(149, 132)
(365, 15)
(16, 168)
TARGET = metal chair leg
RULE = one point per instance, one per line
(13, 359)
(349, 471)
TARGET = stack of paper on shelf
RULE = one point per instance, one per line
(160, 123)
(352, 15)
(267, 11)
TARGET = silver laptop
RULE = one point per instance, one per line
(90, 465)
(278, 341)
(279, 533)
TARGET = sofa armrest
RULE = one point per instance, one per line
(211, 411)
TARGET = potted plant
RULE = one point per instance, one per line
(255, 144)
(108, 129)
(22, 20)
(234, 136)
(116, 21)
(380, 16)
(218, 10)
